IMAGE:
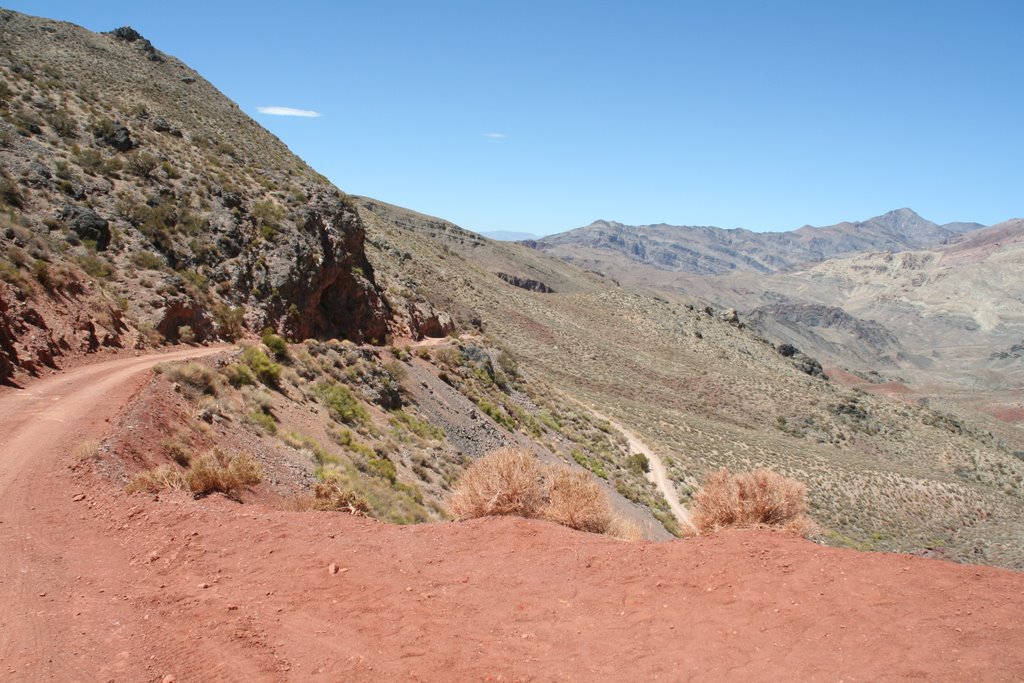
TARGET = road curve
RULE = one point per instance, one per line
(46, 548)
(657, 474)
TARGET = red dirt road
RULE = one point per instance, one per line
(129, 588)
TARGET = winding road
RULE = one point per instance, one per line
(657, 474)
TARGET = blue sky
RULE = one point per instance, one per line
(544, 116)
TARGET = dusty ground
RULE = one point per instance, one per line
(110, 587)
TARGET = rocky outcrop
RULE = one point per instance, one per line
(526, 283)
(803, 362)
(87, 224)
(319, 281)
(8, 352)
(425, 321)
(870, 333)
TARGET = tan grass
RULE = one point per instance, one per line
(329, 495)
(748, 499)
(217, 472)
(199, 378)
(575, 500)
(625, 529)
(87, 450)
(163, 478)
(507, 481)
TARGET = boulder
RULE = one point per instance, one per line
(87, 224)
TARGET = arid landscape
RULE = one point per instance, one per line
(241, 410)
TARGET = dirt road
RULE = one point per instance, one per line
(657, 474)
(139, 588)
(43, 552)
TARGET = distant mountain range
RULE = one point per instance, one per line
(704, 250)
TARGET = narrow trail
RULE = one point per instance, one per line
(657, 474)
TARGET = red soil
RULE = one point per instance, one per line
(112, 587)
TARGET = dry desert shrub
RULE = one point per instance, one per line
(510, 481)
(164, 478)
(199, 378)
(329, 495)
(746, 499)
(625, 529)
(576, 501)
(507, 481)
(217, 472)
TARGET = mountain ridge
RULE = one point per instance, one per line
(709, 250)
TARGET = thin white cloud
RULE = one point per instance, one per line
(289, 111)
(495, 136)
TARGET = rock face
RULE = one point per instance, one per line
(8, 352)
(324, 283)
(870, 333)
(87, 224)
(526, 283)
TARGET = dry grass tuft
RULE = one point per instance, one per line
(510, 481)
(329, 495)
(212, 472)
(216, 472)
(748, 499)
(625, 529)
(199, 378)
(575, 500)
(164, 478)
(87, 450)
(507, 481)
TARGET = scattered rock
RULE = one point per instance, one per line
(78, 497)
(117, 136)
(332, 568)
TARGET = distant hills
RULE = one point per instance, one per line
(706, 250)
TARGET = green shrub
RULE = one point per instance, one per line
(263, 420)
(383, 468)
(240, 375)
(638, 463)
(95, 266)
(276, 344)
(341, 403)
(400, 419)
(265, 369)
(10, 193)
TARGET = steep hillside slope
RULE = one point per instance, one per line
(617, 249)
(705, 392)
(139, 205)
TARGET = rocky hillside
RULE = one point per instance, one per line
(610, 247)
(139, 205)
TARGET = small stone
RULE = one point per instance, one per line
(78, 497)
(204, 585)
(332, 568)
(169, 679)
